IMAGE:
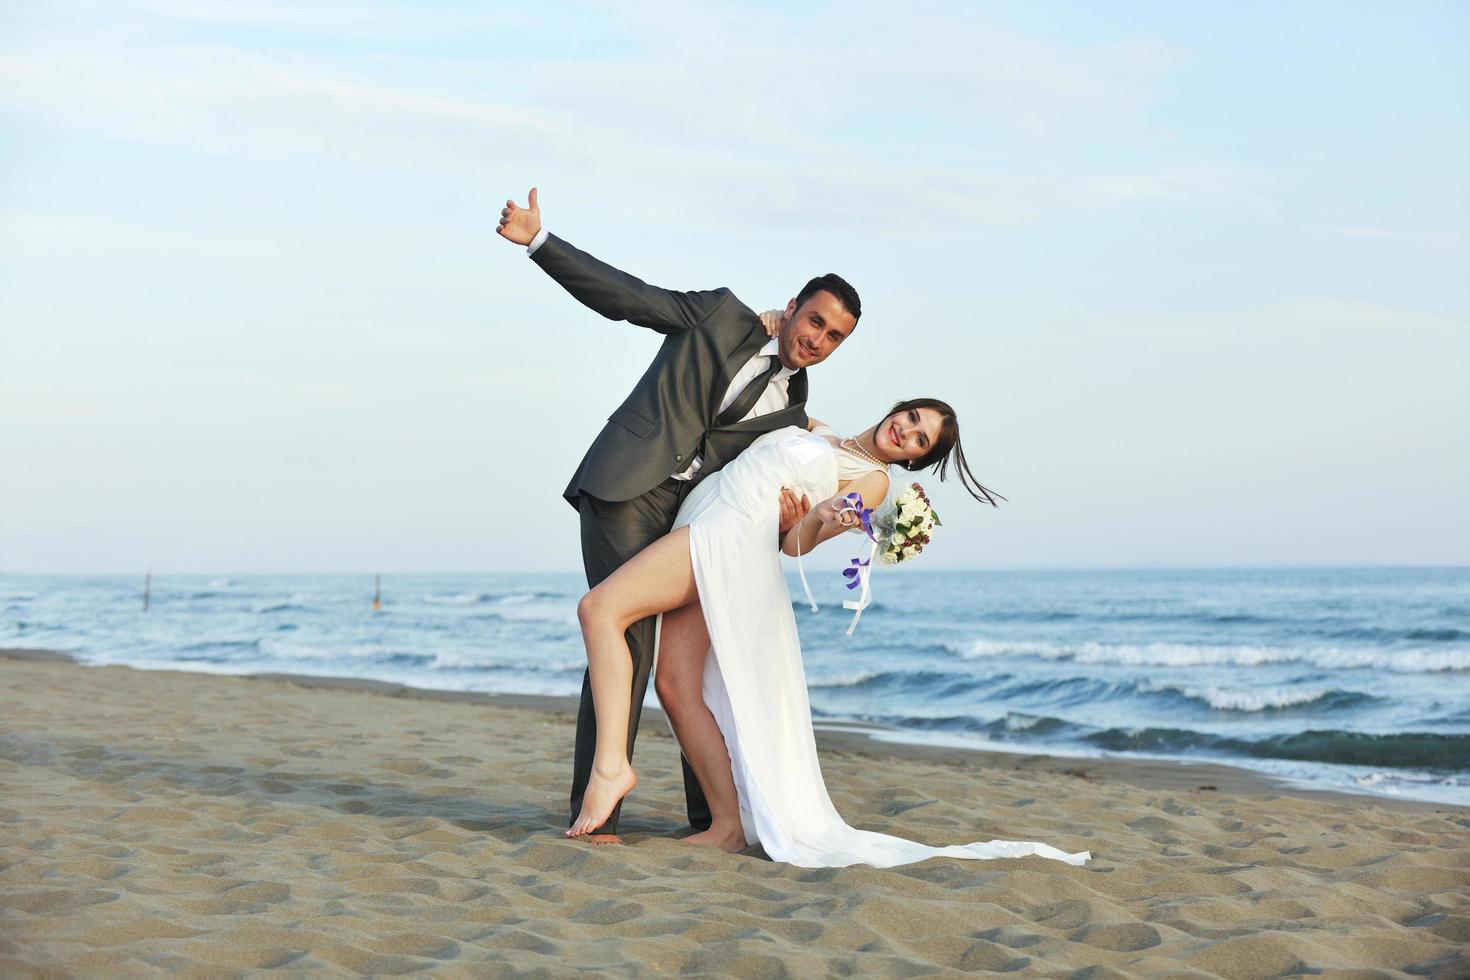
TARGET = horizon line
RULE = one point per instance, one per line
(1283, 566)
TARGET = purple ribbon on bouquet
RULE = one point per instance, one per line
(865, 514)
(854, 570)
(857, 570)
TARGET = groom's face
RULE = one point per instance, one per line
(814, 330)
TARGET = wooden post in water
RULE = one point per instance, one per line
(147, 588)
(377, 593)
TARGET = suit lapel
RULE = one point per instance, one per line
(795, 415)
(748, 348)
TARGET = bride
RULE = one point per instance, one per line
(730, 673)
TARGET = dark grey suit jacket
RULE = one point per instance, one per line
(669, 417)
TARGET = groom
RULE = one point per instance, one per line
(718, 381)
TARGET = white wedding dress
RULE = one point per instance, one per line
(753, 678)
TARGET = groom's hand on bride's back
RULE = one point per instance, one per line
(519, 224)
(792, 510)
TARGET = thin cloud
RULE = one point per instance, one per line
(1430, 236)
(1198, 183)
(789, 135)
(1314, 321)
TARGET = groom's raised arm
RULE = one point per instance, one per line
(599, 286)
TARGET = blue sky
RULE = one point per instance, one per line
(1192, 276)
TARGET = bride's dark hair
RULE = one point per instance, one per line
(945, 447)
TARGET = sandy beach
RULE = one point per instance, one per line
(167, 821)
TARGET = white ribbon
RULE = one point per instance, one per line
(802, 572)
(864, 600)
(864, 572)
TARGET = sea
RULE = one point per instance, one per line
(1351, 679)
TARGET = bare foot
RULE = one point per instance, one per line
(602, 794)
(729, 841)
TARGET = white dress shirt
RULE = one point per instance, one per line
(773, 399)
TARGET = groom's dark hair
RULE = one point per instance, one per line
(837, 286)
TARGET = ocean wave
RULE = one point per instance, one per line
(1437, 636)
(465, 660)
(1261, 699)
(1065, 691)
(481, 598)
(1012, 723)
(855, 679)
(1171, 615)
(928, 683)
(1187, 655)
(1382, 779)
(485, 660)
(285, 650)
(1030, 616)
(24, 628)
(1458, 718)
(1018, 722)
(1406, 750)
(1061, 692)
(801, 607)
(547, 607)
(344, 653)
(218, 651)
(536, 607)
(209, 645)
(1423, 751)
(1380, 634)
(458, 599)
(282, 607)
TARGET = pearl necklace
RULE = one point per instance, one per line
(856, 448)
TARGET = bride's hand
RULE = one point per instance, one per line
(835, 513)
(771, 320)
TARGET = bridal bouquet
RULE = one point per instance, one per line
(905, 527)
(898, 533)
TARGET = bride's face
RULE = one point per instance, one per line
(908, 435)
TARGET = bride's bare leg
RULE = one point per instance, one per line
(683, 644)
(657, 579)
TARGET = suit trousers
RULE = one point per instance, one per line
(612, 533)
